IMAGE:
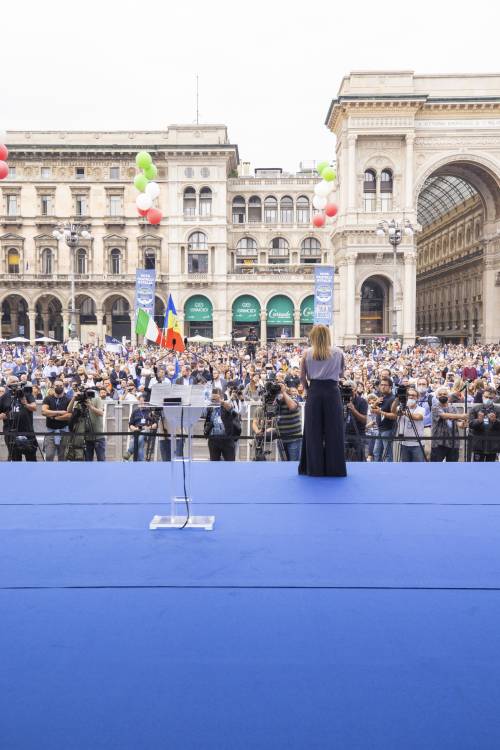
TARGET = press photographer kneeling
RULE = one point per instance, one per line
(86, 424)
(277, 418)
(16, 410)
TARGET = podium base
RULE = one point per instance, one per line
(176, 522)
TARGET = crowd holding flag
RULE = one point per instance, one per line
(170, 337)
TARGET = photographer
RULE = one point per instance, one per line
(222, 428)
(385, 416)
(16, 411)
(142, 423)
(87, 424)
(446, 418)
(55, 410)
(410, 447)
(286, 412)
(355, 422)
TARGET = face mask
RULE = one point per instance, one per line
(422, 389)
(411, 402)
(487, 400)
(59, 390)
(443, 399)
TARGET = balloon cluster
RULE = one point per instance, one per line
(4, 155)
(148, 189)
(324, 195)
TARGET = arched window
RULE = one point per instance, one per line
(189, 203)
(197, 241)
(303, 214)
(239, 210)
(197, 253)
(205, 201)
(87, 307)
(270, 210)
(279, 251)
(149, 258)
(254, 209)
(13, 260)
(386, 184)
(81, 260)
(115, 259)
(286, 210)
(372, 307)
(370, 190)
(310, 250)
(246, 251)
(47, 258)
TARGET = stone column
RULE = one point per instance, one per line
(100, 329)
(263, 327)
(410, 138)
(14, 322)
(409, 296)
(350, 337)
(351, 172)
(490, 295)
(296, 324)
(65, 319)
(31, 318)
(44, 309)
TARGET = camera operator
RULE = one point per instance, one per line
(410, 447)
(446, 417)
(142, 423)
(221, 427)
(55, 410)
(278, 402)
(87, 423)
(386, 417)
(16, 410)
(356, 419)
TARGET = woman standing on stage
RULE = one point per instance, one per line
(323, 441)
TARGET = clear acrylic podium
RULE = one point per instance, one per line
(182, 406)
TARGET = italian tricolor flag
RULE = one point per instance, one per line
(145, 326)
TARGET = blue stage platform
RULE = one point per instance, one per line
(347, 614)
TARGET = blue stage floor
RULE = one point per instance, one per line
(346, 614)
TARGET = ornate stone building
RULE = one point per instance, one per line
(424, 149)
(234, 251)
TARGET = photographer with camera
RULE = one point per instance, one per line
(86, 424)
(279, 416)
(142, 423)
(16, 411)
(386, 419)
(356, 412)
(55, 410)
(411, 424)
(222, 427)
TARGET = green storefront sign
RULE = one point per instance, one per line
(280, 311)
(198, 309)
(246, 309)
(307, 311)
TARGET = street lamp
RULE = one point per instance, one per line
(394, 231)
(72, 233)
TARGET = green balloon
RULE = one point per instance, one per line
(328, 174)
(151, 172)
(140, 182)
(321, 166)
(143, 159)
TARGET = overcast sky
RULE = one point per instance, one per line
(268, 69)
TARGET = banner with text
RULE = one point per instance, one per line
(145, 283)
(323, 294)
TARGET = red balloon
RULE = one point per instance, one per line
(319, 220)
(4, 152)
(4, 170)
(331, 209)
(143, 211)
(154, 215)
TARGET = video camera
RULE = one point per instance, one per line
(20, 390)
(272, 390)
(346, 393)
(402, 395)
(84, 394)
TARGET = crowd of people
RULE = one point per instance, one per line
(412, 393)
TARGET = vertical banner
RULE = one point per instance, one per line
(323, 294)
(145, 282)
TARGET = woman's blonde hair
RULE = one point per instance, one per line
(321, 341)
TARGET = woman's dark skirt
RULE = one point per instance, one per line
(322, 452)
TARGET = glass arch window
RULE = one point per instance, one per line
(303, 212)
(270, 210)
(386, 188)
(197, 253)
(197, 241)
(115, 259)
(286, 210)
(81, 260)
(205, 201)
(279, 251)
(13, 260)
(239, 210)
(369, 190)
(372, 307)
(255, 209)
(246, 248)
(47, 258)
(189, 202)
(310, 250)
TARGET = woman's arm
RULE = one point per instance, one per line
(303, 373)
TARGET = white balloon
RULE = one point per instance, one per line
(319, 202)
(144, 202)
(153, 190)
(323, 188)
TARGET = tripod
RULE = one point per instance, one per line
(404, 411)
(263, 441)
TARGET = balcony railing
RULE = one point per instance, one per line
(274, 269)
